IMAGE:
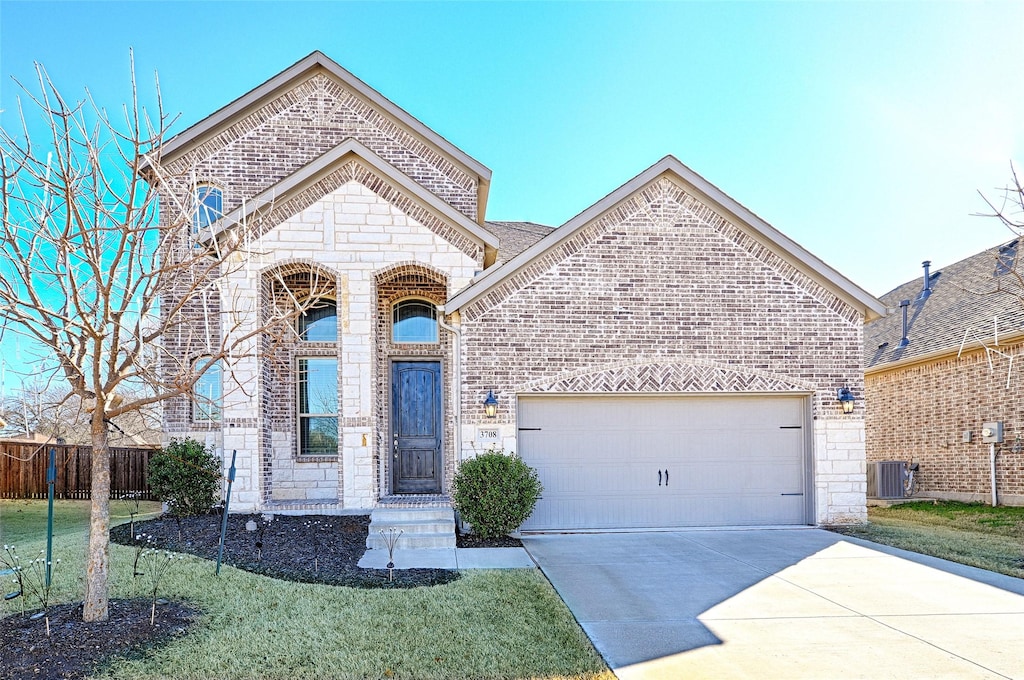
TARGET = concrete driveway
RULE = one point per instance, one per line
(786, 603)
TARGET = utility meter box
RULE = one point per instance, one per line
(992, 433)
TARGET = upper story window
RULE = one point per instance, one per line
(319, 323)
(209, 206)
(206, 394)
(414, 321)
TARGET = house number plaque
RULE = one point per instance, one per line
(487, 435)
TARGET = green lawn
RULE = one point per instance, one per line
(488, 624)
(25, 520)
(969, 533)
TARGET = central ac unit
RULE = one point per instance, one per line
(885, 479)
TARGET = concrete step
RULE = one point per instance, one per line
(406, 514)
(412, 526)
(414, 541)
(420, 528)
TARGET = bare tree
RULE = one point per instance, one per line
(118, 292)
(1008, 208)
(62, 417)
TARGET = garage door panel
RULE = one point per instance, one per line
(730, 460)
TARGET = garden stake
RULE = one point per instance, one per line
(390, 540)
(227, 502)
(51, 478)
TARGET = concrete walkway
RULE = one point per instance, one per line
(449, 558)
(788, 603)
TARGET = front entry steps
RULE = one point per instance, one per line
(421, 527)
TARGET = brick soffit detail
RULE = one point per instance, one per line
(655, 202)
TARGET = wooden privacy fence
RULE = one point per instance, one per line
(23, 470)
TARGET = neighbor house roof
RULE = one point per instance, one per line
(710, 195)
(516, 237)
(970, 303)
(299, 71)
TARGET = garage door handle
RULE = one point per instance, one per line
(666, 477)
(793, 494)
(659, 477)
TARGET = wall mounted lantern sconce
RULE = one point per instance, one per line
(846, 399)
(490, 405)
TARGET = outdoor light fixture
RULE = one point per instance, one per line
(490, 405)
(846, 399)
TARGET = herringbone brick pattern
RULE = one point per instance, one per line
(672, 377)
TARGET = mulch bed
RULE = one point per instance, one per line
(310, 549)
(75, 649)
(473, 541)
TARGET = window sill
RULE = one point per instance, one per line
(316, 459)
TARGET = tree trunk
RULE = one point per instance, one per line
(98, 557)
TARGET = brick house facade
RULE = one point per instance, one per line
(666, 289)
(929, 397)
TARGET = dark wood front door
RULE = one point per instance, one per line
(416, 426)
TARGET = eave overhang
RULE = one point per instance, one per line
(974, 345)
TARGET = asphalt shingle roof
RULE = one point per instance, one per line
(515, 237)
(965, 299)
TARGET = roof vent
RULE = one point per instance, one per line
(926, 290)
(1006, 258)
(904, 304)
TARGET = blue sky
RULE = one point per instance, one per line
(861, 130)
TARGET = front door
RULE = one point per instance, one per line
(416, 425)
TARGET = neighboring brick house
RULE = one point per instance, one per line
(665, 358)
(957, 365)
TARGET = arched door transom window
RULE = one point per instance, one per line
(414, 321)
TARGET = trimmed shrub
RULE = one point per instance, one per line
(495, 492)
(186, 476)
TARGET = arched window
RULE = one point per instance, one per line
(209, 206)
(319, 323)
(414, 321)
(206, 394)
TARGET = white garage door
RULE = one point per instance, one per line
(632, 461)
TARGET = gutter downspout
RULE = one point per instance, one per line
(992, 468)
(456, 381)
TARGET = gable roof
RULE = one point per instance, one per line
(300, 70)
(515, 237)
(965, 299)
(330, 161)
(711, 195)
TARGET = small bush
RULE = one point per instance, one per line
(186, 476)
(495, 493)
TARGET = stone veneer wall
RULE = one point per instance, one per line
(921, 411)
(666, 286)
(270, 143)
(355, 235)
